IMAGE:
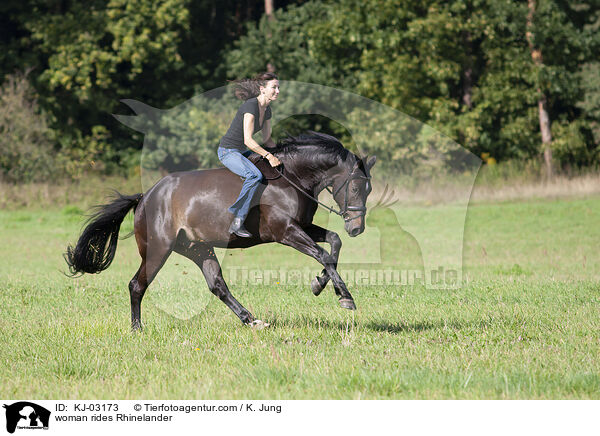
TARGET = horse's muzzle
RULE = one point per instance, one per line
(355, 226)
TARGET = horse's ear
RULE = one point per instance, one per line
(371, 161)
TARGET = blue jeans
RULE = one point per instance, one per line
(237, 162)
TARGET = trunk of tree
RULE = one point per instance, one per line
(269, 13)
(468, 72)
(546, 134)
(467, 87)
(269, 9)
(536, 55)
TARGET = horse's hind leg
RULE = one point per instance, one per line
(152, 261)
(204, 256)
(319, 234)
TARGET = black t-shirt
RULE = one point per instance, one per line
(234, 138)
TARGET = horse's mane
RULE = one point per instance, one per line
(310, 145)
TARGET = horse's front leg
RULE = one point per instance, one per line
(319, 234)
(297, 238)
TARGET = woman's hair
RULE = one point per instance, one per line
(248, 88)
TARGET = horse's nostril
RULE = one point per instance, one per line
(355, 232)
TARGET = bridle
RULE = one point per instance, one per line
(346, 184)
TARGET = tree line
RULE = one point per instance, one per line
(508, 80)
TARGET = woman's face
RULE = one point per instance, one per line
(270, 90)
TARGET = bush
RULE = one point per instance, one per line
(26, 151)
(31, 151)
(572, 145)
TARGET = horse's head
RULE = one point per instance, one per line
(350, 190)
(321, 161)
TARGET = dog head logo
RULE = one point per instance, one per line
(26, 415)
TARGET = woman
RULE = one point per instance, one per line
(253, 115)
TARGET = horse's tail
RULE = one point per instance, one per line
(96, 247)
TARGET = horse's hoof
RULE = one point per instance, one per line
(315, 286)
(347, 303)
(136, 327)
(258, 324)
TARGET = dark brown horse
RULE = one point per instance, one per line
(187, 213)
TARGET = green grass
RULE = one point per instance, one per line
(525, 324)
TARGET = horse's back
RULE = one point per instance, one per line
(193, 201)
(197, 203)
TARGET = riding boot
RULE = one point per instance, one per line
(237, 227)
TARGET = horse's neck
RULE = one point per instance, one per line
(313, 179)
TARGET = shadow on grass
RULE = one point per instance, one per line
(314, 322)
(396, 328)
(377, 325)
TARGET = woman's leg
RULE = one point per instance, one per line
(240, 165)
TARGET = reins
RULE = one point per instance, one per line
(345, 184)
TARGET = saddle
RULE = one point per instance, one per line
(264, 166)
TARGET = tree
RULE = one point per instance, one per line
(465, 67)
(88, 56)
(285, 42)
(537, 56)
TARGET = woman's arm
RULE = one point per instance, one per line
(248, 140)
(252, 144)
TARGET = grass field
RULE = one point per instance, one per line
(525, 324)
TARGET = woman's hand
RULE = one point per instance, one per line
(273, 160)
